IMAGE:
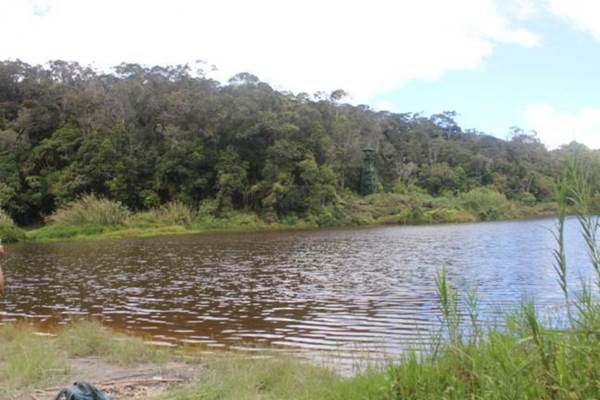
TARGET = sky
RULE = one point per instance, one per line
(498, 63)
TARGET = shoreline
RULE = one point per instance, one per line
(82, 232)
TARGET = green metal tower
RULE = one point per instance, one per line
(368, 175)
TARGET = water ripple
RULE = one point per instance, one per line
(337, 290)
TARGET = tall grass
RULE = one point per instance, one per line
(27, 360)
(275, 379)
(91, 210)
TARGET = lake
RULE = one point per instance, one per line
(339, 291)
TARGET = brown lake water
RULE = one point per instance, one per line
(340, 290)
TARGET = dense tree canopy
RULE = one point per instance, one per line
(147, 136)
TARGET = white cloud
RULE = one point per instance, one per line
(556, 128)
(365, 47)
(583, 14)
(521, 9)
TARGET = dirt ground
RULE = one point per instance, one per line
(123, 382)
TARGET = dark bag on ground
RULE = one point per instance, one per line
(81, 391)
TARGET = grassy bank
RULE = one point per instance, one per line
(30, 362)
(94, 218)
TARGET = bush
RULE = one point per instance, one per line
(486, 204)
(176, 213)
(208, 209)
(528, 199)
(91, 210)
(400, 187)
(9, 232)
(329, 216)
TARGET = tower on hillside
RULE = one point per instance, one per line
(368, 175)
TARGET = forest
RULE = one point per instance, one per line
(149, 136)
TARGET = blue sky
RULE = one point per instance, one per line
(498, 63)
(562, 71)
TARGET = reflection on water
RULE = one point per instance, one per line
(328, 290)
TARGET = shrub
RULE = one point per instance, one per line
(9, 232)
(329, 216)
(208, 209)
(176, 213)
(91, 210)
(486, 204)
(528, 199)
(400, 187)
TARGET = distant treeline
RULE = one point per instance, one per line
(149, 136)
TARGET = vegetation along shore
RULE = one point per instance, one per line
(155, 150)
(94, 218)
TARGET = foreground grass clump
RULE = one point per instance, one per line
(90, 338)
(525, 359)
(277, 378)
(27, 360)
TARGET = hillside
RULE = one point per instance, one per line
(149, 136)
